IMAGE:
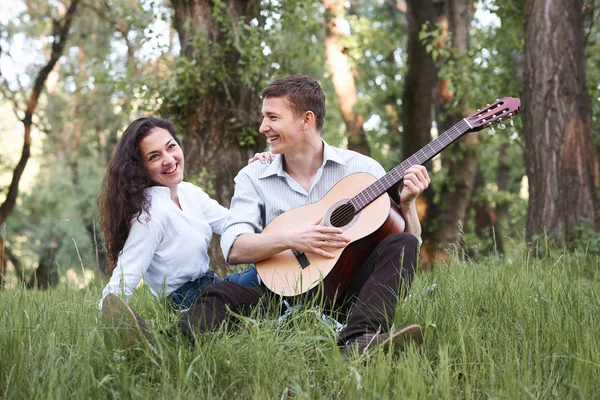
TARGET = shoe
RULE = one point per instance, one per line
(395, 338)
(132, 330)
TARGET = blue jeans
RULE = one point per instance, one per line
(187, 294)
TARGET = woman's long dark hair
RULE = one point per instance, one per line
(122, 196)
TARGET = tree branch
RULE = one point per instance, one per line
(58, 46)
(120, 27)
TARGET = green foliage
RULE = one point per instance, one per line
(293, 39)
(186, 86)
(491, 69)
(376, 47)
(587, 238)
(115, 70)
(52, 220)
(522, 326)
(205, 180)
(436, 44)
(239, 62)
(593, 72)
(497, 68)
(55, 223)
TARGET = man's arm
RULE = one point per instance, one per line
(244, 242)
(413, 225)
(245, 214)
(416, 180)
(314, 238)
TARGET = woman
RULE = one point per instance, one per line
(157, 226)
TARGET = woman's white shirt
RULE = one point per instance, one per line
(168, 246)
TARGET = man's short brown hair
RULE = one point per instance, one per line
(302, 93)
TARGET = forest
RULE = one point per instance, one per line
(506, 287)
(73, 74)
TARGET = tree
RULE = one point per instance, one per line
(417, 98)
(462, 159)
(61, 29)
(117, 23)
(499, 208)
(216, 100)
(559, 154)
(342, 75)
(421, 77)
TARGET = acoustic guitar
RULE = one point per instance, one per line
(361, 206)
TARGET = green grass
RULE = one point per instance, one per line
(517, 327)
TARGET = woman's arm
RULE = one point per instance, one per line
(135, 258)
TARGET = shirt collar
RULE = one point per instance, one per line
(329, 154)
(159, 191)
(276, 166)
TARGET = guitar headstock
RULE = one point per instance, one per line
(500, 110)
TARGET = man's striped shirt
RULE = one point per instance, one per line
(264, 191)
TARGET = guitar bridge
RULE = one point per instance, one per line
(302, 259)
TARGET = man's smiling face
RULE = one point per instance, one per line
(280, 125)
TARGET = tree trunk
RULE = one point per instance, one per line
(559, 151)
(342, 75)
(16, 263)
(487, 227)
(45, 275)
(462, 159)
(417, 99)
(220, 123)
(2, 257)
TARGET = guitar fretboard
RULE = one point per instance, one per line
(395, 175)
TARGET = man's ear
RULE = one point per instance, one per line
(309, 120)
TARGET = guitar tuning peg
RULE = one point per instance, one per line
(491, 130)
(512, 123)
(479, 109)
(501, 126)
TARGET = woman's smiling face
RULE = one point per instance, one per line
(162, 157)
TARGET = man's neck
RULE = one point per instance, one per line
(303, 163)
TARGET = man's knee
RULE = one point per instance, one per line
(398, 252)
(400, 243)
(405, 238)
(208, 310)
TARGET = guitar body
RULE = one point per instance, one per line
(290, 273)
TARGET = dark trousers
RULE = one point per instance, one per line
(370, 299)
(187, 294)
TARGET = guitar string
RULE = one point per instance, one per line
(440, 140)
(369, 194)
(342, 216)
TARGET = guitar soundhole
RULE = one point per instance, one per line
(342, 215)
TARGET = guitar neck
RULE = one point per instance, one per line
(395, 175)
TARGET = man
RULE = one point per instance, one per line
(305, 169)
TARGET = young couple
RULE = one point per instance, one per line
(158, 226)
